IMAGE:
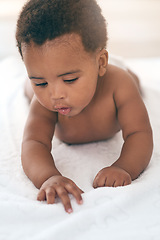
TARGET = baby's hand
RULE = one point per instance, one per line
(60, 186)
(112, 177)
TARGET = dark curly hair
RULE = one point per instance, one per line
(42, 20)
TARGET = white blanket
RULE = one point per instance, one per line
(130, 212)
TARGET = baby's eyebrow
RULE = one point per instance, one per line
(30, 77)
(68, 73)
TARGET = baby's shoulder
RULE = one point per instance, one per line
(117, 78)
(122, 84)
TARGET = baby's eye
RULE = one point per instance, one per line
(41, 84)
(70, 80)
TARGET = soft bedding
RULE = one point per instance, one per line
(130, 212)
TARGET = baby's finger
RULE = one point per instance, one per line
(41, 195)
(75, 191)
(118, 183)
(127, 182)
(63, 195)
(95, 182)
(50, 195)
(80, 190)
(99, 181)
(70, 182)
(109, 182)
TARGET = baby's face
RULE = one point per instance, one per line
(63, 75)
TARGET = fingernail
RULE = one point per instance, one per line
(69, 210)
(81, 201)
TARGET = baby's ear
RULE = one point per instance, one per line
(103, 62)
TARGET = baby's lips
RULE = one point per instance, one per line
(64, 111)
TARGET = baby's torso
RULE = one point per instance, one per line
(88, 127)
(96, 122)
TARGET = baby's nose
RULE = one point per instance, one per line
(57, 92)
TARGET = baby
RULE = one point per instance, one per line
(78, 96)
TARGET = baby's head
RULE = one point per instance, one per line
(62, 43)
(46, 20)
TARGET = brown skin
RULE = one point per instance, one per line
(100, 100)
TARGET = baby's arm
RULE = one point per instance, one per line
(137, 134)
(37, 159)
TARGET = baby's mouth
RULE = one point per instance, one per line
(63, 110)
